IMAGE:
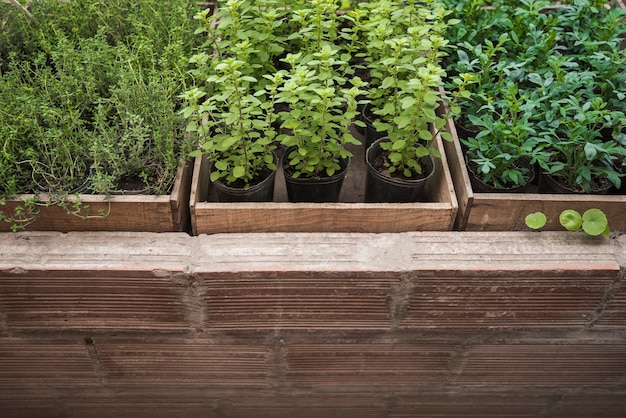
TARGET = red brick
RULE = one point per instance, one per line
(90, 303)
(311, 301)
(45, 364)
(503, 303)
(180, 363)
(544, 363)
(382, 363)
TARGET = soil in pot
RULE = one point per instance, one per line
(314, 189)
(369, 131)
(130, 185)
(382, 186)
(261, 188)
(555, 184)
(478, 185)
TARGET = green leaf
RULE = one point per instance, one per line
(215, 175)
(571, 220)
(399, 144)
(221, 165)
(535, 220)
(239, 171)
(594, 222)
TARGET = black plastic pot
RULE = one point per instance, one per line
(478, 185)
(260, 192)
(314, 189)
(382, 188)
(369, 131)
(552, 184)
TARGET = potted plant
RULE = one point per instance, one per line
(582, 161)
(322, 85)
(406, 76)
(236, 128)
(564, 65)
(321, 110)
(502, 154)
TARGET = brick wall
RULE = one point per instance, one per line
(312, 325)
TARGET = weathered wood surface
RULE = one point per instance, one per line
(140, 213)
(350, 214)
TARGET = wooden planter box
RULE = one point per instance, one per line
(507, 211)
(350, 214)
(139, 213)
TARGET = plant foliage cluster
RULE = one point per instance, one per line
(548, 84)
(296, 73)
(89, 89)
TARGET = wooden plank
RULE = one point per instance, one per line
(141, 213)
(350, 214)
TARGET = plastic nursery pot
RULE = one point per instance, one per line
(262, 191)
(314, 189)
(369, 131)
(478, 185)
(382, 188)
(552, 184)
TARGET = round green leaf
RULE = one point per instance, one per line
(239, 171)
(571, 220)
(594, 222)
(535, 220)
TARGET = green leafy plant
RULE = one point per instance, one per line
(321, 109)
(580, 155)
(593, 221)
(406, 75)
(235, 123)
(504, 149)
(566, 63)
(88, 93)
